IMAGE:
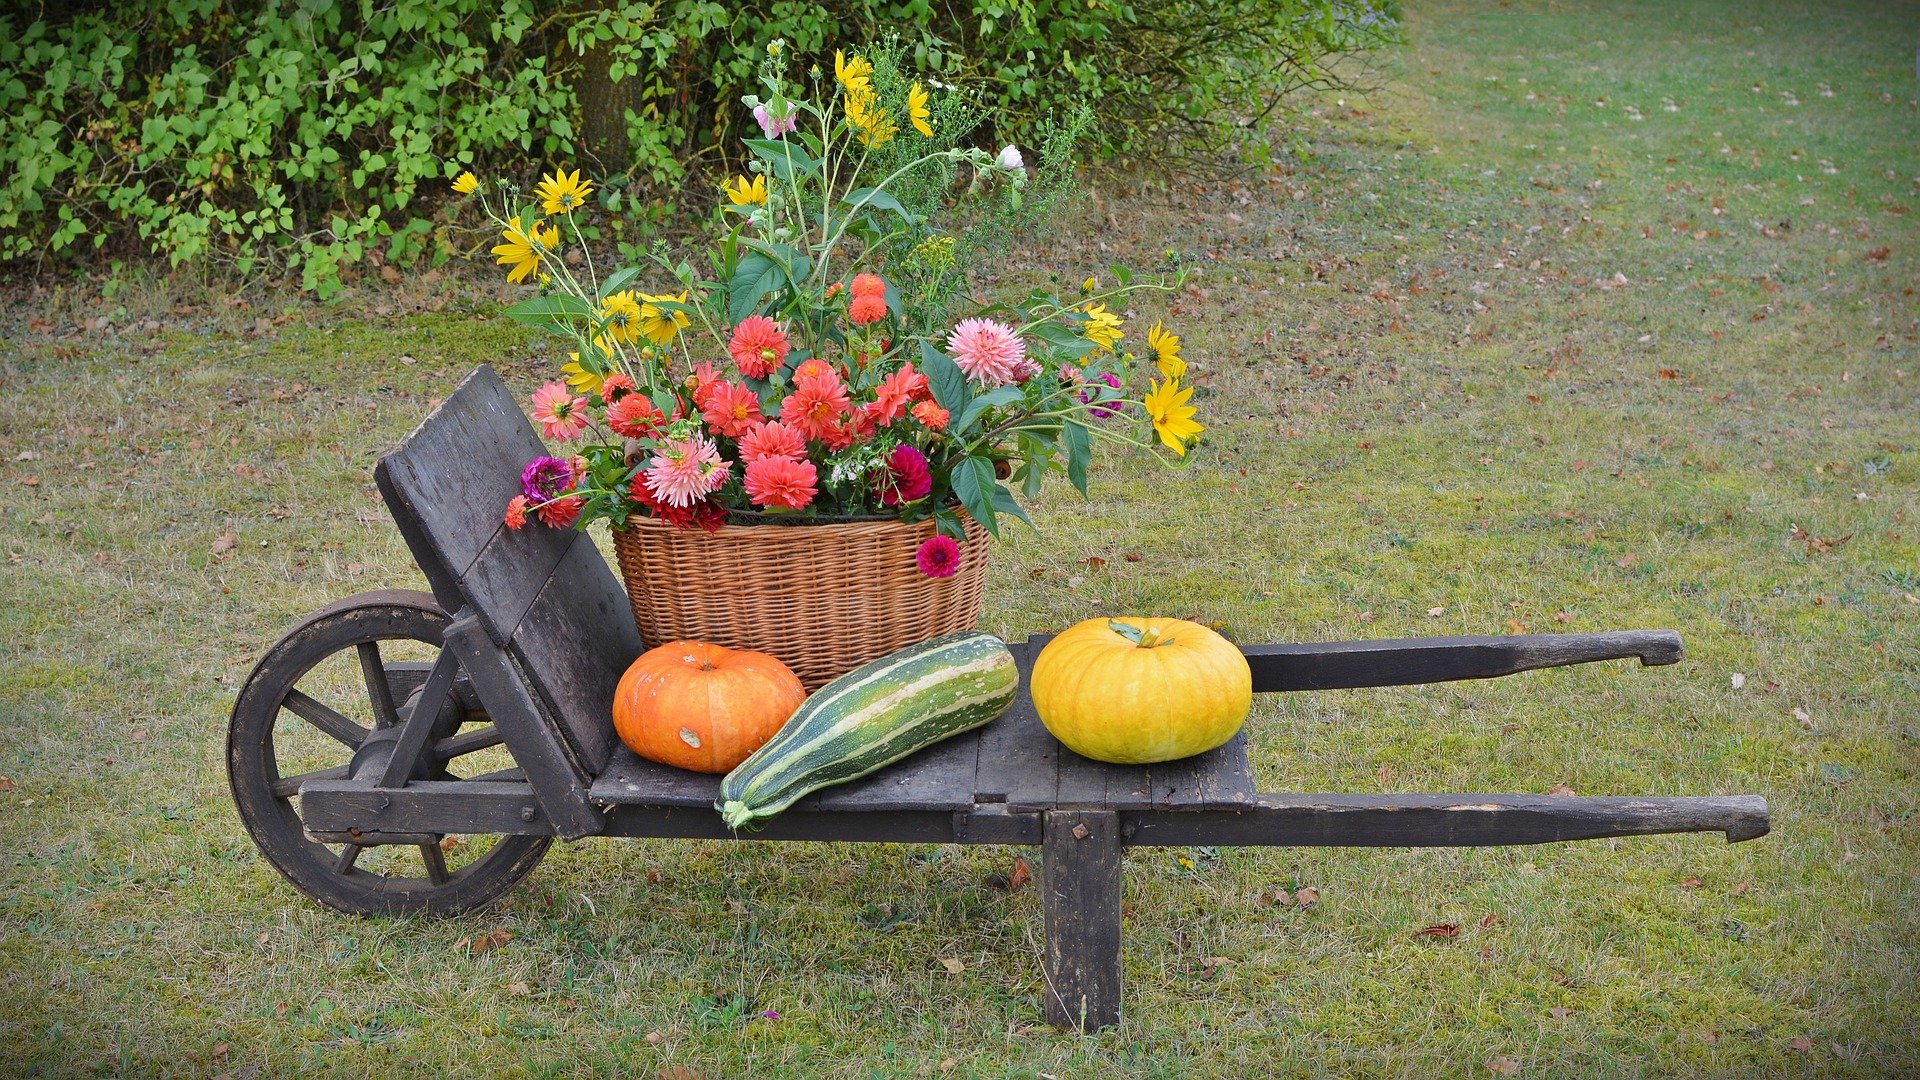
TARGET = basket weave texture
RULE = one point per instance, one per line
(822, 598)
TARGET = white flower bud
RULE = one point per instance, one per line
(1010, 158)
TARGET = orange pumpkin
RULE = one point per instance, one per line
(703, 707)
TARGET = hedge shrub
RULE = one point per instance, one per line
(303, 135)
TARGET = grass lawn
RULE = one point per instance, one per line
(1598, 315)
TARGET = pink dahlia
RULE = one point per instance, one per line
(1088, 396)
(683, 472)
(908, 479)
(758, 346)
(560, 414)
(939, 556)
(731, 408)
(772, 439)
(781, 482)
(989, 352)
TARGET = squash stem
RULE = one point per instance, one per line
(1149, 637)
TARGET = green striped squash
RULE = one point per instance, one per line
(872, 716)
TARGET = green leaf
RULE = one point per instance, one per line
(1000, 395)
(777, 153)
(1003, 501)
(617, 281)
(973, 482)
(550, 313)
(1079, 452)
(867, 198)
(946, 380)
(1063, 338)
(756, 277)
(1121, 274)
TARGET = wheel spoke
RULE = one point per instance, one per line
(468, 742)
(348, 854)
(436, 861)
(346, 731)
(378, 690)
(288, 786)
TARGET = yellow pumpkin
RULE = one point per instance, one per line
(1138, 690)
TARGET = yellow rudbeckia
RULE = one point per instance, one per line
(1166, 351)
(1172, 417)
(1102, 327)
(579, 378)
(745, 192)
(562, 194)
(855, 75)
(522, 251)
(872, 124)
(917, 110)
(466, 183)
(658, 324)
(622, 314)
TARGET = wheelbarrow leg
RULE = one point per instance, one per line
(1081, 905)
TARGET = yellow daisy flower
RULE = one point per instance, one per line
(1166, 351)
(622, 314)
(562, 194)
(745, 192)
(872, 125)
(1102, 328)
(466, 183)
(917, 110)
(579, 378)
(659, 324)
(1172, 417)
(855, 75)
(522, 251)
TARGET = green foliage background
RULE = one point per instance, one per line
(296, 136)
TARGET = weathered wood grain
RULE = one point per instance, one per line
(575, 642)
(1080, 903)
(1447, 820)
(1334, 665)
(1018, 756)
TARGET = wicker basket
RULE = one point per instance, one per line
(824, 598)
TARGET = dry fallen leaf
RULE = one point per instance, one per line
(681, 1072)
(1515, 626)
(1436, 612)
(1487, 921)
(225, 542)
(1439, 930)
(953, 965)
(1800, 1043)
(1504, 1065)
(1561, 791)
(1740, 888)
(483, 943)
(1094, 562)
(1739, 680)
(1022, 874)
(1559, 1012)
(1690, 883)
(1306, 896)
(519, 989)
(6, 784)
(30, 481)
(1276, 897)
(1709, 1037)
(263, 937)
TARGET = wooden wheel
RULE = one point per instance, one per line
(342, 675)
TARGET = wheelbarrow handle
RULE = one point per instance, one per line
(1338, 665)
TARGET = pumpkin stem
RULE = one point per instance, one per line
(706, 665)
(1144, 637)
(1149, 637)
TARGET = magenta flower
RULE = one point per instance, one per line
(989, 352)
(939, 556)
(1086, 396)
(908, 478)
(684, 472)
(546, 478)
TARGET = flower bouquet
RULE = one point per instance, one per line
(832, 372)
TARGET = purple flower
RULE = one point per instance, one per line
(546, 478)
(1086, 396)
(770, 1014)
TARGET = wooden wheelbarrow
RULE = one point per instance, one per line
(495, 729)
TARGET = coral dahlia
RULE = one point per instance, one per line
(758, 346)
(772, 439)
(781, 482)
(731, 408)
